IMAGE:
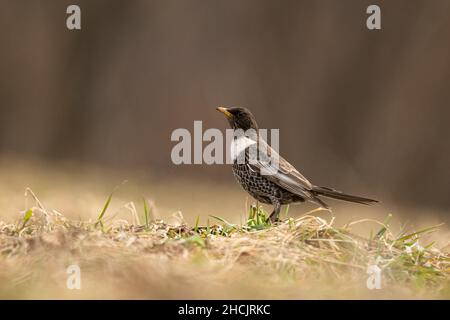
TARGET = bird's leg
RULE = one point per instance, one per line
(276, 211)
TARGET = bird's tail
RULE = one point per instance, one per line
(331, 193)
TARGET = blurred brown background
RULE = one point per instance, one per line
(362, 111)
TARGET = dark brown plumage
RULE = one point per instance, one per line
(285, 185)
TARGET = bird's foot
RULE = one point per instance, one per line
(274, 218)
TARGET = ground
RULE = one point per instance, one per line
(125, 247)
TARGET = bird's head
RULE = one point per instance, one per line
(239, 118)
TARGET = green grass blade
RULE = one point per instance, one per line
(102, 213)
(26, 217)
(408, 236)
(196, 224)
(382, 231)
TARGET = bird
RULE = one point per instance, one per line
(285, 184)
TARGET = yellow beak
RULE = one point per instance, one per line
(224, 111)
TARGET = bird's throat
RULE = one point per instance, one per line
(239, 145)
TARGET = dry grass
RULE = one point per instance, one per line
(306, 257)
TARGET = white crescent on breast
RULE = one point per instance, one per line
(239, 145)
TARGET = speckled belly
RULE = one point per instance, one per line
(259, 186)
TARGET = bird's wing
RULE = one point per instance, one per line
(284, 175)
